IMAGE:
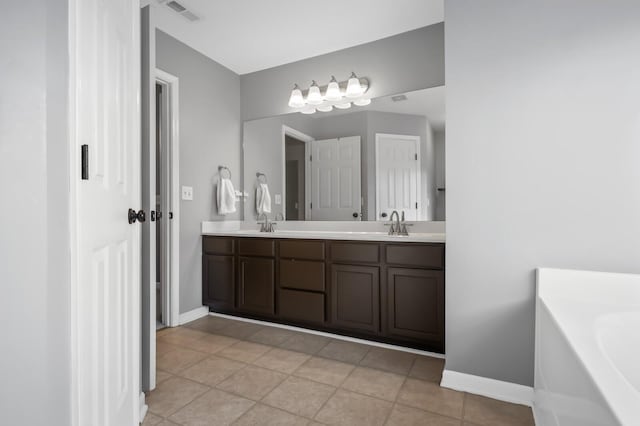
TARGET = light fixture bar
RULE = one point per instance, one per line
(364, 82)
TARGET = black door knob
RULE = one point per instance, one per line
(133, 216)
(383, 215)
(153, 215)
(170, 215)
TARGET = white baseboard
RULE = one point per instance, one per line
(496, 389)
(193, 315)
(143, 406)
(331, 335)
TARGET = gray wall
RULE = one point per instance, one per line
(210, 130)
(263, 152)
(543, 163)
(401, 63)
(439, 141)
(34, 219)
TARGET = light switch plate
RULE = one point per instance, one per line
(278, 199)
(187, 193)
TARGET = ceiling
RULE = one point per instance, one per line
(428, 102)
(251, 35)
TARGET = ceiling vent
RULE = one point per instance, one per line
(180, 9)
(399, 98)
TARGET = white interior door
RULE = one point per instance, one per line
(397, 176)
(335, 179)
(105, 115)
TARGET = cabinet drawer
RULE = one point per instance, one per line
(302, 274)
(355, 252)
(302, 306)
(295, 249)
(217, 245)
(256, 247)
(422, 256)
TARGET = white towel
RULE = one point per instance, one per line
(263, 199)
(226, 197)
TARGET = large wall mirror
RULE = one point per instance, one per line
(355, 164)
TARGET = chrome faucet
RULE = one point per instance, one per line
(397, 227)
(394, 229)
(266, 225)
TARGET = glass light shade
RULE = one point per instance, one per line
(296, 100)
(308, 110)
(362, 102)
(333, 91)
(324, 108)
(354, 88)
(345, 105)
(314, 97)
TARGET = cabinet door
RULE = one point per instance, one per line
(256, 282)
(218, 278)
(355, 297)
(416, 305)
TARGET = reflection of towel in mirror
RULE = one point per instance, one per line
(226, 197)
(263, 199)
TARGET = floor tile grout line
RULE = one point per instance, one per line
(308, 355)
(183, 406)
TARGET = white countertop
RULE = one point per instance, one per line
(333, 235)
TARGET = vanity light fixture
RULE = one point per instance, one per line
(354, 88)
(336, 94)
(296, 100)
(362, 102)
(314, 97)
(333, 91)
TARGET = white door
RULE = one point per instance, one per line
(335, 179)
(105, 115)
(397, 176)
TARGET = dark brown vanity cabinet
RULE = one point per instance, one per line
(415, 303)
(218, 273)
(301, 281)
(390, 292)
(256, 275)
(355, 297)
(256, 285)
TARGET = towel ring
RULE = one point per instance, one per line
(262, 178)
(222, 169)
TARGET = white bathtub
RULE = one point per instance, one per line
(587, 366)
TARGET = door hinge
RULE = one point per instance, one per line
(310, 205)
(310, 158)
(416, 157)
(416, 205)
(84, 167)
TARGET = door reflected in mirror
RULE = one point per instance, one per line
(351, 165)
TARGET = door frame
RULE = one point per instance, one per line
(289, 131)
(416, 139)
(172, 194)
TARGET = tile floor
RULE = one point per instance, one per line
(216, 371)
